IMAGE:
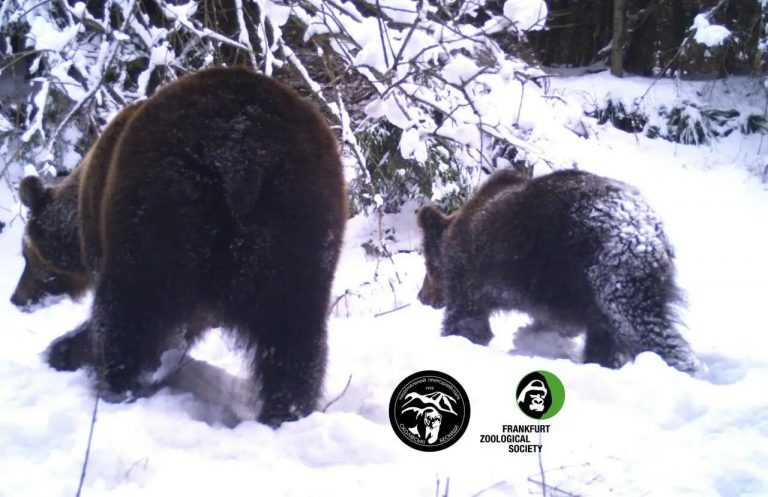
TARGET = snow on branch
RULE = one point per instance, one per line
(412, 86)
(434, 77)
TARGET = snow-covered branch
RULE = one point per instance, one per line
(408, 84)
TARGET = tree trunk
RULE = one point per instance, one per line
(617, 45)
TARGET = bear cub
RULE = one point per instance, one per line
(218, 201)
(571, 249)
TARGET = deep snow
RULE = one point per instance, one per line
(645, 429)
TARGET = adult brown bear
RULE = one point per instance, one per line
(572, 249)
(220, 200)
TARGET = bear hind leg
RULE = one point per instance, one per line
(289, 360)
(600, 346)
(656, 333)
(643, 328)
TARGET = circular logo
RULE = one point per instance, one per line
(429, 411)
(540, 395)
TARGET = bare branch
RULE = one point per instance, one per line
(336, 399)
(114, 47)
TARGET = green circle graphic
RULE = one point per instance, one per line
(557, 390)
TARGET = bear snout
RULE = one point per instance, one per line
(421, 296)
(429, 295)
(24, 304)
(27, 293)
(29, 297)
(16, 301)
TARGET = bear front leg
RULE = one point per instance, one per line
(72, 351)
(291, 358)
(470, 323)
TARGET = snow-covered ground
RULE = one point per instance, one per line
(645, 429)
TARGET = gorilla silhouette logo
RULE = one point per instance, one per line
(533, 395)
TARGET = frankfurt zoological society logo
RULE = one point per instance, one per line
(429, 411)
(540, 395)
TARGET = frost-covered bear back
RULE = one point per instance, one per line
(577, 221)
(572, 249)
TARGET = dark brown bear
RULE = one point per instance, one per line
(571, 249)
(220, 200)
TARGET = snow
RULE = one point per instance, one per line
(60, 74)
(5, 125)
(412, 146)
(181, 12)
(711, 35)
(30, 170)
(161, 55)
(277, 14)
(460, 70)
(645, 429)
(36, 126)
(420, 46)
(403, 11)
(78, 10)
(388, 107)
(526, 15)
(44, 35)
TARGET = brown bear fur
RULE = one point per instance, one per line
(571, 249)
(220, 200)
(52, 242)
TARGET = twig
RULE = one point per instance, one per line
(94, 89)
(382, 30)
(541, 471)
(490, 487)
(336, 399)
(244, 36)
(88, 447)
(183, 361)
(392, 310)
(344, 295)
(23, 14)
(400, 52)
(342, 10)
(8, 61)
(558, 492)
(144, 460)
(437, 486)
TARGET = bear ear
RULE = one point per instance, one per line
(33, 193)
(432, 220)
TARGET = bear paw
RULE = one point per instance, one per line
(71, 351)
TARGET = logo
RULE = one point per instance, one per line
(429, 411)
(540, 395)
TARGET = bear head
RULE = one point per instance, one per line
(433, 224)
(51, 245)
